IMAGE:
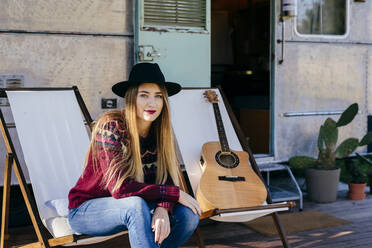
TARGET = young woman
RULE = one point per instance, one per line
(130, 179)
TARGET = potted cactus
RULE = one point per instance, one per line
(322, 176)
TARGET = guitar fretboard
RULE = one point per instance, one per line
(220, 129)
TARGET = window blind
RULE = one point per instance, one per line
(178, 13)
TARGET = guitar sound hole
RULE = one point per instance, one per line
(230, 160)
(227, 160)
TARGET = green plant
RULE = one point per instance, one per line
(345, 175)
(327, 140)
(356, 174)
(298, 164)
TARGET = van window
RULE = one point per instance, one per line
(175, 13)
(322, 17)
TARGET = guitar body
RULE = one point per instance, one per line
(230, 191)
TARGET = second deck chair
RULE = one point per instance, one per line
(194, 124)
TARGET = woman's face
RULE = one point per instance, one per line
(149, 102)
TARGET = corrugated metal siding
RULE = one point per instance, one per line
(180, 13)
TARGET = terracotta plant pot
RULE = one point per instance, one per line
(356, 191)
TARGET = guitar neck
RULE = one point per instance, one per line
(220, 129)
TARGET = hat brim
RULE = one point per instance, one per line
(121, 88)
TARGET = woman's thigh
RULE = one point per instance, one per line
(183, 224)
(107, 215)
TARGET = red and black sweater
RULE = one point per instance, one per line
(115, 137)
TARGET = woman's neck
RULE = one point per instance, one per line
(143, 127)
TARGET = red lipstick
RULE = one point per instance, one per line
(150, 111)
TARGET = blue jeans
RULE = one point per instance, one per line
(107, 216)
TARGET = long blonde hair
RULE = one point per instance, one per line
(128, 163)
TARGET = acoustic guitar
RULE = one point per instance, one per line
(228, 180)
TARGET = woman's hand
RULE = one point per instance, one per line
(188, 201)
(160, 224)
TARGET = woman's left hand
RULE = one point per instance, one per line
(160, 224)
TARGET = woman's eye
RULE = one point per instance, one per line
(143, 95)
(159, 96)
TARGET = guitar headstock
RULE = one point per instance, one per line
(211, 96)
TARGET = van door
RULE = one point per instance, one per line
(240, 64)
(176, 35)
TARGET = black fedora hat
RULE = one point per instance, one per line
(145, 73)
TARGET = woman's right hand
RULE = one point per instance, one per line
(188, 201)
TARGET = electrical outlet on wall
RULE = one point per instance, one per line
(109, 103)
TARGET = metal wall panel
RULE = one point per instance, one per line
(320, 77)
(298, 135)
(94, 64)
(361, 21)
(321, 74)
(93, 16)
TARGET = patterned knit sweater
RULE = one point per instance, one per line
(91, 185)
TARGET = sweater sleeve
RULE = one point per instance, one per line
(114, 144)
(169, 205)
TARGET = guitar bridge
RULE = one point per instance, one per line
(231, 178)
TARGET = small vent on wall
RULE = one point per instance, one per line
(12, 81)
(9, 81)
(176, 13)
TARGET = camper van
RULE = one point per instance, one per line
(284, 66)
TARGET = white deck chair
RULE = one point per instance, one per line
(194, 124)
(54, 141)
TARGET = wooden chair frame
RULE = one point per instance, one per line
(45, 240)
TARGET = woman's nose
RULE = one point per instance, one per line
(151, 101)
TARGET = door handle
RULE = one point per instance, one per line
(147, 53)
(154, 54)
